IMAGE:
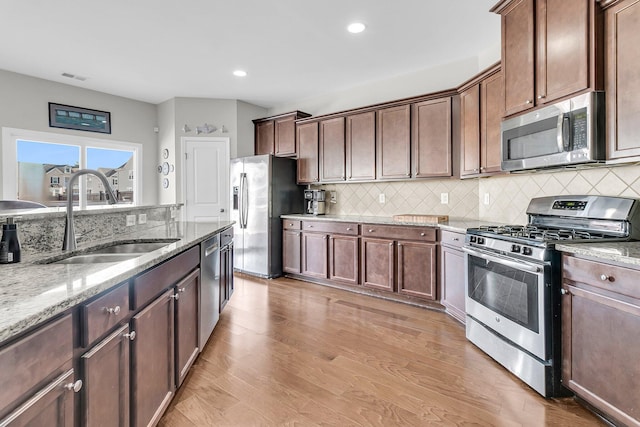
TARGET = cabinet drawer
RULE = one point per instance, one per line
(291, 224)
(621, 280)
(451, 238)
(226, 237)
(35, 359)
(425, 234)
(349, 228)
(146, 286)
(102, 314)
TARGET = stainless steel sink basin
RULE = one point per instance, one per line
(116, 252)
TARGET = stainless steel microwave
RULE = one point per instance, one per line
(566, 133)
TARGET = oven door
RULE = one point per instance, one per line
(510, 297)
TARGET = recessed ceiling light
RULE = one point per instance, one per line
(240, 73)
(356, 27)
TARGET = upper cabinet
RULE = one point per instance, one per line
(481, 111)
(394, 142)
(332, 150)
(431, 138)
(550, 50)
(277, 135)
(361, 146)
(307, 147)
(622, 20)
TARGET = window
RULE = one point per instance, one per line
(38, 166)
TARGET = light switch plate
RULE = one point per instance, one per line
(444, 198)
(131, 220)
(487, 198)
(142, 219)
(382, 198)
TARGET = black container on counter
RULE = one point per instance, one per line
(9, 245)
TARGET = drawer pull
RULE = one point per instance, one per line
(175, 296)
(565, 292)
(606, 278)
(112, 310)
(309, 226)
(349, 228)
(371, 230)
(181, 290)
(455, 239)
(75, 387)
(422, 234)
(290, 224)
(130, 336)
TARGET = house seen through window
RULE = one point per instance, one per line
(44, 170)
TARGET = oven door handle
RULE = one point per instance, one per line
(518, 265)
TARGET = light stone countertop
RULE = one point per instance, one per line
(458, 225)
(622, 252)
(31, 293)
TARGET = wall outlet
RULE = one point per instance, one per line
(173, 213)
(131, 220)
(444, 198)
(333, 197)
(382, 198)
(487, 200)
(142, 219)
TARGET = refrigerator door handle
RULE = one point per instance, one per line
(245, 200)
(241, 201)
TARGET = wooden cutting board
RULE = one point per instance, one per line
(421, 219)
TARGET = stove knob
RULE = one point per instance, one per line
(527, 251)
(481, 240)
(515, 248)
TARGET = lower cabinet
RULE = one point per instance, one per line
(226, 272)
(314, 255)
(291, 251)
(452, 284)
(152, 352)
(601, 337)
(105, 392)
(343, 259)
(186, 301)
(417, 269)
(377, 266)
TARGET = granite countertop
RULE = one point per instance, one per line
(32, 292)
(622, 252)
(459, 225)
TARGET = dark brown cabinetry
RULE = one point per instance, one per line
(307, 147)
(393, 142)
(187, 293)
(623, 79)
(378, 264)
(550, 49)
(361, 146)
(332, 150)
(314, 255)
(600, 345)
(291, 240)
(431, 138)
(480, 117)
(226, 269)
(343, 258)
(452, 274)
(416, 269)
(105, 392)
(276, 135)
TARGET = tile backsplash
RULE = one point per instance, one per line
(508, 195)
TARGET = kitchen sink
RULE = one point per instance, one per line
(116, 252)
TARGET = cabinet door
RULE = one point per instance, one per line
(265, 137)
(314, 255)
(491, 112)
(332, 150)
(344, 259)
(187, 294)
(307, 142)
(225, 276)
(394, 142)
(416, 269)
(518, 56)
(562, 28)
(431, 138)
(470, 132)
(152, 352)
(452, 281)
(105, 392)
(623, 82)
(377, 260)
(52, 406)
(285, 136)
(601, 349)
(361, 146)
(291, 251)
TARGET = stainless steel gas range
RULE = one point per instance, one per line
(513, 280)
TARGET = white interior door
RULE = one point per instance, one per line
(206, 179)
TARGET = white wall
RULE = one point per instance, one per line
(246, 113)
(166, 139)
(24, 105)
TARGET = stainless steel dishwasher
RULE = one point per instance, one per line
(209, 288)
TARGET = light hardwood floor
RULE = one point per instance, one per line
(290, 353)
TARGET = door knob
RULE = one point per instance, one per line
(76, 386)
(222, 210)
(131, 335)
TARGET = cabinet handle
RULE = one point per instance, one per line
(482, 168)
(422, 234)
(541, 96)
(455, 239)
(130, 336)
(309, 226)
(112, 310)
(606, 278)
(371, 230)
(298, 234)
(528, 101)
(476, 170)
(391, 244)
(75, 387)
(349, 228)
(563, 291)
(175, 296)
(181, 290)
(497, 319)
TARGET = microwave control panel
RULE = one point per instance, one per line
(579, 136)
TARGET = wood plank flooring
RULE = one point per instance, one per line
(288, 353)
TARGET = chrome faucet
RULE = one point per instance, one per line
(69, 242)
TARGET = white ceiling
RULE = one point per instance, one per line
(154, 50)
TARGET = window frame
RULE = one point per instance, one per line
(10, 137)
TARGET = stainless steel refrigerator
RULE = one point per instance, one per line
(262, 188)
